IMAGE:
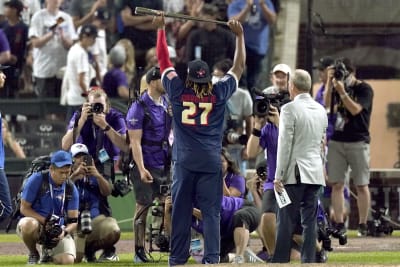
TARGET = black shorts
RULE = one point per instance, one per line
(269, 202)
(144, 192)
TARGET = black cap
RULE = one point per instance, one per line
(15, 4)
(153, 74)
(198, 71)
(2, 67)
(102, 14)
(349, 64)
(89, 30)
(324, 62)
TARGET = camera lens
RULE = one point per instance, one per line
(97, 108)
(86, 222)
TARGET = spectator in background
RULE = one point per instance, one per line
(9, 141)
(280, 80)
(115, 82)
(129, 66)
(210, 42)
(239, 119)
(5, 197)
(234, 184)
(5, 54)
(78, 73)
(257, 16)
(139, 29)
(17, 34)
(52, 34)
(30, 7)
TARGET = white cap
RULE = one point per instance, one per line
(283, 68)
(171, 52)
(79, 149)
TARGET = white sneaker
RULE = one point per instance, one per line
(238, 260)
(251, 257)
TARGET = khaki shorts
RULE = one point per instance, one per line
(101, 227)
(342, 155)
(66, 245)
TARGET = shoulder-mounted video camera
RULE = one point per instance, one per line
(341, 73)
(263, 101)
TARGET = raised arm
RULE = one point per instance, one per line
(239, 59)
(162, 47)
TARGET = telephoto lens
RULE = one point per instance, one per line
(86, 222)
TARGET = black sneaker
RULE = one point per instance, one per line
(362, 230)
(140, 255)
(46, 257)
(33, 258)
(321, 256)
(340, 233)
(90, 256)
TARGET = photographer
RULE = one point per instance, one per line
(103, 130)
(149, 126)
(349, 144)
(95, 231)
(50, 216)
(234, 184)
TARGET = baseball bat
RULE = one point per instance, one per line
(153, 12)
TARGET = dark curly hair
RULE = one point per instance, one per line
(232, 166)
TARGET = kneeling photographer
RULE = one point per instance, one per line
(49, 202)
(95, 231)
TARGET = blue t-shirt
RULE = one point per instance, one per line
(89, 132)
(155, 129)
(198, 122)
(269, 141)
(89, 193)
(49, 203)
(256, 27)
(113, 79)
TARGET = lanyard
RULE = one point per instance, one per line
(62, 200)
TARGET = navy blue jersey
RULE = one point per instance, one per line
(198, 122)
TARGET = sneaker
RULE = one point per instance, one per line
(362, 230)
(238, 260)
(321, 256)
(90, 256)
(140, 255)
(33, 258)
(340, 233)
(251, 257)
(107, 256)
(46, 258)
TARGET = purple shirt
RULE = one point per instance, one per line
(237, 181)
(4, 45)
(319, 97)
(90, 131)
(155, 129)
(269, 141)
(113, 79)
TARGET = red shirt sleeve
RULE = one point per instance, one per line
(162, 51)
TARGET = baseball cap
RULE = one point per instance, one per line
(171, 52)
(61, 158)
(282, 68)
(117, 55)
(324, 62)
(349, 64)
(89, 30)
(102, 14)
(198, 71)
(15, 4)
(78, 148)
(153, 74)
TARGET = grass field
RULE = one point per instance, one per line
(340, 258)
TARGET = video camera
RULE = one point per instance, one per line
(341, 73)
(263, 101)
(51, 230)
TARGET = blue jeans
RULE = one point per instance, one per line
(5, 197)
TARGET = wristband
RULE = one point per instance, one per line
(108, 127)
(256, 132)
(343, 96)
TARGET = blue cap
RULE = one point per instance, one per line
(61, 158)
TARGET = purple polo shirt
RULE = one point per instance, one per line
(89, 133)
(156, 129)
(237, 181)
(319, 97)
(113, 79)
(269, 141)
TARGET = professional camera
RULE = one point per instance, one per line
(121, 188)
(341, 73)
(51, 230)
(86, 222)
(231, 136)
(263, 101)
(97, 108)
(161, 241)
(379, 225)
(262, 173)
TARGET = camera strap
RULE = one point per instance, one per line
(61, 214)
